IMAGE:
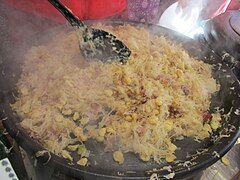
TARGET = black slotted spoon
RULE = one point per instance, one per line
(94, 43)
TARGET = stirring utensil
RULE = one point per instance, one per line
(94, 43)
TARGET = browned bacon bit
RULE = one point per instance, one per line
(95, 107)
(174, 112)
(139, 129)
(185, 89)
(206, 117)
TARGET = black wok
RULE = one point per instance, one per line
(191, 158)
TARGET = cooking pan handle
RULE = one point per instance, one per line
(67, 13)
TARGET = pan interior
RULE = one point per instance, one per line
(191, 153)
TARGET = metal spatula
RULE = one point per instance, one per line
(94, 43)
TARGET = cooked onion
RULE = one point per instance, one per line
(159, 95)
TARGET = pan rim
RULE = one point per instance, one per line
(22, 137)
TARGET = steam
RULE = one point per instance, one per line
(18, 31)
(178, 21)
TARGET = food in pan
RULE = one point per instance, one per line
(161, 94)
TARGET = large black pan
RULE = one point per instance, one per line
(192, 157)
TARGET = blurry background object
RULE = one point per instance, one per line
(177, 19)
(189, 16)
(84, 9)
(147, 11)
(11, 161)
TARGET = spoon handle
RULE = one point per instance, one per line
(67, 13)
